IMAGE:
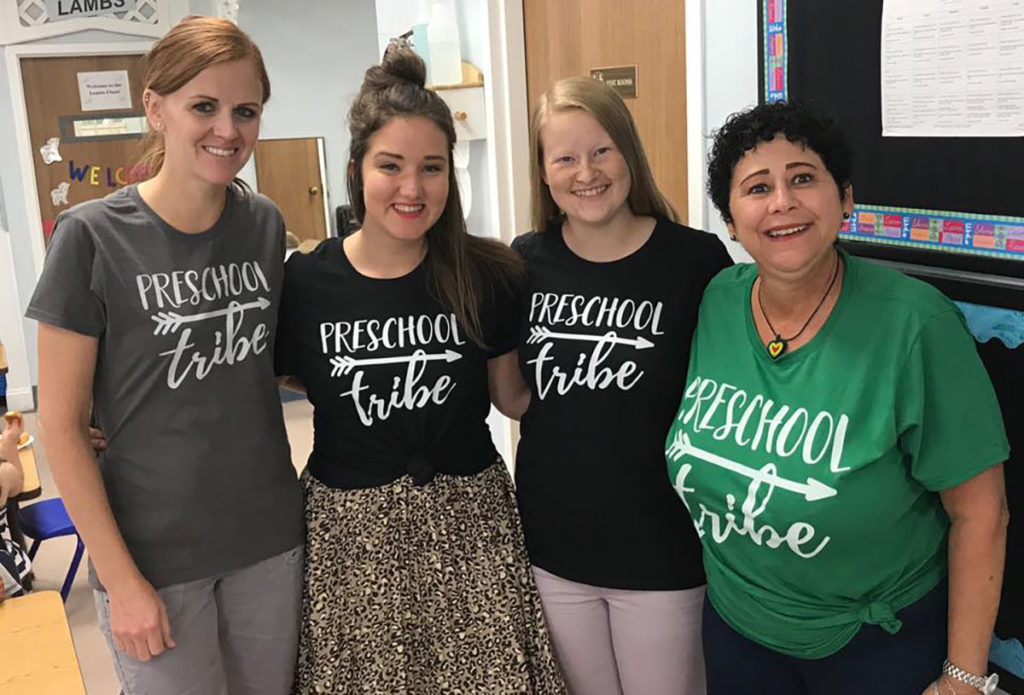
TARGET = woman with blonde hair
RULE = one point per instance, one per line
(613, 288)
(157, 307)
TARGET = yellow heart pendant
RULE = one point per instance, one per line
(776, 348)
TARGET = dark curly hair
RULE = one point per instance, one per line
(801, 124)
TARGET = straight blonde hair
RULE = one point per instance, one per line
(606, 106)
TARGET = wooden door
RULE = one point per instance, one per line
(291, 173)
(565, 38)
(96, 148)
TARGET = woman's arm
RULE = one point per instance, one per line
(292, 384)
(67, 361)
(978, 517)
(509, 393)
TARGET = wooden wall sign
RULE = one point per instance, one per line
(622, 79)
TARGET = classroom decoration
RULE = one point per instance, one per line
(51, 151)
(62, 10)
(59, 195)
(97, 175)
(104, 90)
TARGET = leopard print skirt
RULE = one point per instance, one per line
(417, 590)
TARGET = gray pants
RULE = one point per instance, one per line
(620, 642)
(235, 633)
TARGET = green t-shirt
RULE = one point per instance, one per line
(811, 479)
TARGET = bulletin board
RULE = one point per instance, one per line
(949, 211)
(949, 206)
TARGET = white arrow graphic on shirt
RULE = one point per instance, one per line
(538, 334)
(344, 365)
(170, 322)
(813, 490)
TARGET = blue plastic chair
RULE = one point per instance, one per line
(45, 520)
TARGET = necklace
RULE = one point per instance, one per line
(778, 344)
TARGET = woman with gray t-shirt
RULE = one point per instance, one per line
(157, 310)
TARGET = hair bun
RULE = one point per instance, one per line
(400, 66)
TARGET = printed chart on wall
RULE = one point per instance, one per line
(931, 94)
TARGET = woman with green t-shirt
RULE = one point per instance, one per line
(839, 445)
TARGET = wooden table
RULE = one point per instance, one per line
(31, 488)
(35, 641)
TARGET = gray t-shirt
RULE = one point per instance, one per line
(198, 469)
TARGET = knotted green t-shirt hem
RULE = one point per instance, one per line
(807, 631)
(880, 613)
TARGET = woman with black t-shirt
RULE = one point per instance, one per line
(613, 290)
(417, 579)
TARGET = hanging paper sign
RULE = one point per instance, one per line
(102, 91)
(59, 195)
(59, 10)
(50, 151)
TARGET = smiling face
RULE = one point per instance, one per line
(785, 206)
(584, 170)
(405, 178)
(211, 124)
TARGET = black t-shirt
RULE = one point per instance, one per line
(397, 385)
(604, 348)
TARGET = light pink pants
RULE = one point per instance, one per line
(621, 642)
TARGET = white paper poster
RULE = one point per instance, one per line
(104, 91)
(953, 68)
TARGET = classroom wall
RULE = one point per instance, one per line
(316, 54)
(730, 81)
(394, 18)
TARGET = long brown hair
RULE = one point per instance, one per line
(193, 45)
(463, 271)
(606, 106)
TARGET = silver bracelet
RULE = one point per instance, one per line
(983, 684)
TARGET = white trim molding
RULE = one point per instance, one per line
(509, 125)
(19, 383)
(26, 163)
(29, 20)
(508, 142)
(696, 145)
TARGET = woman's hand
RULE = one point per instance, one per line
(14, 426)
(509, 392)
(944, 685)
(138, 620)
(97, 440)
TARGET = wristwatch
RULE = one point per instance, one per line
(984, 685)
